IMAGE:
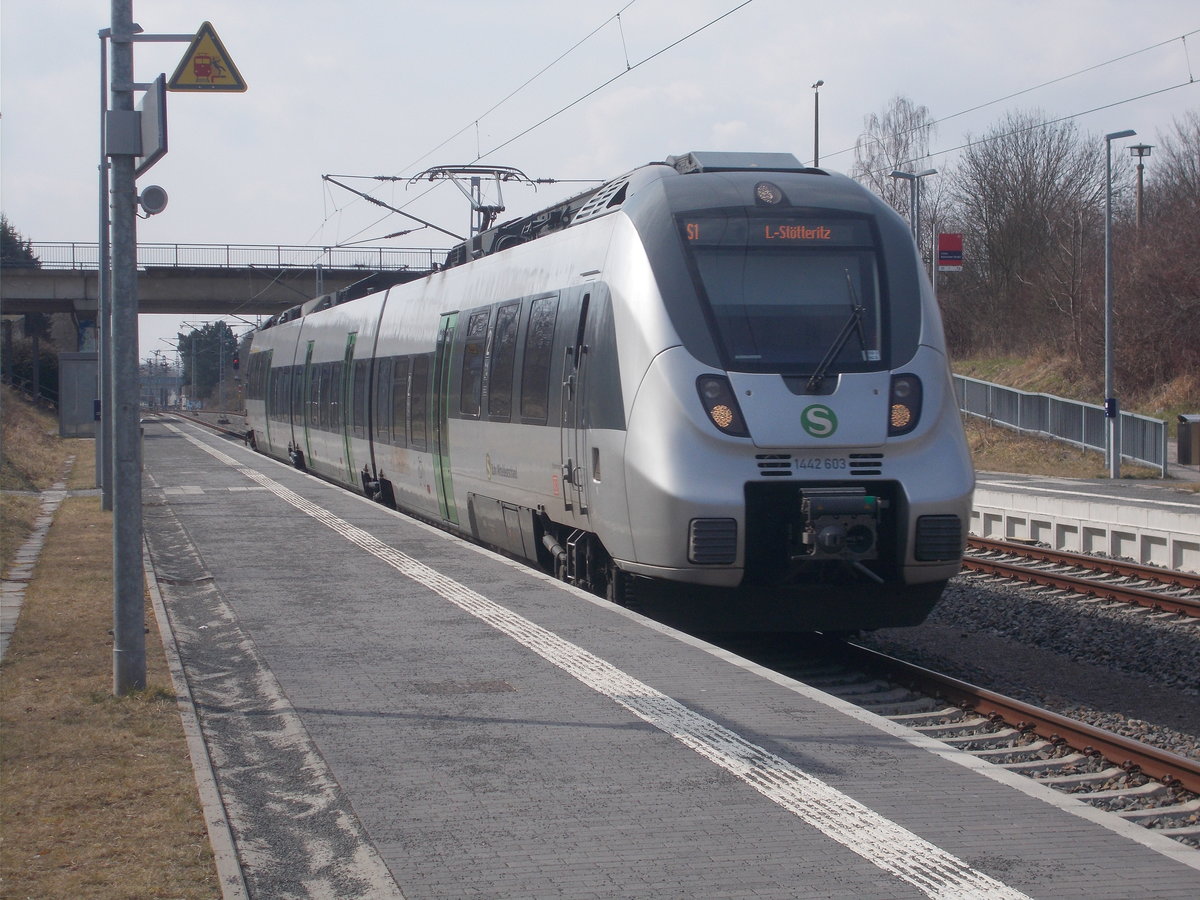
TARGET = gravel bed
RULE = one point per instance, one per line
(1127, 671)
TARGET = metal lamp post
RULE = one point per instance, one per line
(914, 217)
(1112, 442)
(1139, 151)
(817, 123)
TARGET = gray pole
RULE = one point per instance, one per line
(817, 124)
(917, 216)
(103, 306)
(1140, 169)
(129, 641)
(1111, 409)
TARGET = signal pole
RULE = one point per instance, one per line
(123, 145)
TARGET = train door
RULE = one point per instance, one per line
(348, 406)
(306, 400)
(573, 424)
(441, 418)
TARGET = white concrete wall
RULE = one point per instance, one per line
(1149, 534)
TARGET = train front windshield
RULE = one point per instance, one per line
(785, 292)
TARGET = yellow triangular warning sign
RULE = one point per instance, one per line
(206, 66)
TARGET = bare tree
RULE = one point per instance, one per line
(1030, 198)
(897, 138)
(1158, 271)
(1174, 171)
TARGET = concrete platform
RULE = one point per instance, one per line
(390, 712)
(1154, 522)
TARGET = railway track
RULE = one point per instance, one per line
(1106, 579)
(1140, 783)
(220, 422)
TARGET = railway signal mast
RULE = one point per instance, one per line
(131, 141)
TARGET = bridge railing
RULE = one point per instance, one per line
(75, 255)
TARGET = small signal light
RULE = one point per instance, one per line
(236, 362)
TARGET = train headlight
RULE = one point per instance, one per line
(767, 194)
(904, 404)
(716, 395)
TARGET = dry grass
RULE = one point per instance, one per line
(97, 797)
(31, 454)
(996, 449)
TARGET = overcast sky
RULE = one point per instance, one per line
(384, 87)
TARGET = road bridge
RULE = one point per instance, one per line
(203, 279)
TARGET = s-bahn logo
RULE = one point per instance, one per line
(819, 420)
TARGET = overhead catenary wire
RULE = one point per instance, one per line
(619, 75)
(629, 68)
(1116, 59)
(476, 120)
(633, 66)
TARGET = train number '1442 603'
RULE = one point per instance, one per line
(823, 462)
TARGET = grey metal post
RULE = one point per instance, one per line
(1112, 419)
(817, 123)
(1141, 151)
(104, 436)
(914, 208)
(129, 642)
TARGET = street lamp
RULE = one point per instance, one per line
(1139, 151)
(817, 123)
(1112, 431)
(914, 207)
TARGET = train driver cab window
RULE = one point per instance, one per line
(471, 390)
(504, 352)
(784, 291)
(535, 369)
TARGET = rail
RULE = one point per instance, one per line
(1161, 765)
(68, 255)
(1143, 439)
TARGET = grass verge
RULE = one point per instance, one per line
(97, 797)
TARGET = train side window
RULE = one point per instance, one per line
(535, 369)
(334, 371)
(471, 391)
(298, 393)
(418, 404)
(292, 410)
(359, 399)
(400, 402)
(383, 399)
(281, 393)
(314, 397)
(504, 352)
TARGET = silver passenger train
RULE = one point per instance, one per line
(725, 371)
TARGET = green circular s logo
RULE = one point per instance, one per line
(819, 420)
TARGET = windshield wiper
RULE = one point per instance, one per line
(853, 324)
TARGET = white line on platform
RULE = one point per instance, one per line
(883, 843)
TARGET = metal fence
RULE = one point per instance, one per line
(73, 255)
(1143, 440)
